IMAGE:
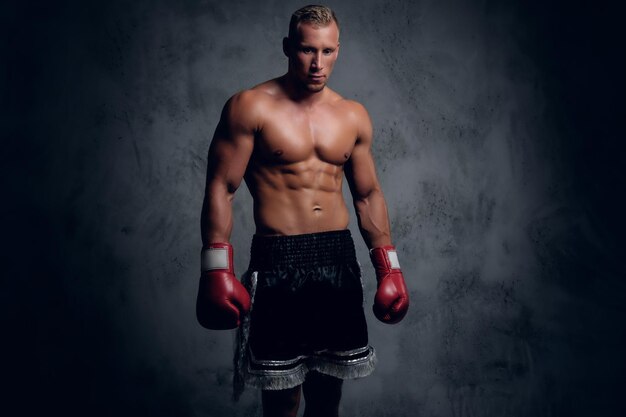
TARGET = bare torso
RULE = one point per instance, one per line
(295, 172)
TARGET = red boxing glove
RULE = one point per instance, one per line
(392, 298)
(222, 300)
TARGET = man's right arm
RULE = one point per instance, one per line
(222, 300)
(228, 158)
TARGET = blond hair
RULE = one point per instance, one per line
(314, 14)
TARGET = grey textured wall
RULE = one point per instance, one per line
(497, 143)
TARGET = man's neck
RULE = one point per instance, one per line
(298, 93)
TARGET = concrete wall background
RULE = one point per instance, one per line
(497, 144)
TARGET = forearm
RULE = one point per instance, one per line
(222, 301)
(217, 214)
(373, 219)
(391, 301)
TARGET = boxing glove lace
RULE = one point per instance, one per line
(222, 300)
(392, 298)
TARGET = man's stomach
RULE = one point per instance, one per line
(290, 213)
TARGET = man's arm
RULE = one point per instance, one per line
(222, 300)
(367, 196)
(228, 158)
(391, 302)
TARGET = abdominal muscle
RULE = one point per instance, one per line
(305, 197)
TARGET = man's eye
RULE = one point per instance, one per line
(328, 51)
(307, 50)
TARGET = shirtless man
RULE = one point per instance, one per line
(299, 307)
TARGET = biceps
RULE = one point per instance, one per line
(361, 174)
(228, 158)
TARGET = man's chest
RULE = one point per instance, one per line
(294, 136)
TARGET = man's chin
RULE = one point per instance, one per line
(315, 87)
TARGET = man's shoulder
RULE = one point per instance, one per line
(254, 98)
(355, 106)
(357, 115)
(247, 98)
(336, 99)
(249, 104)
(353, 109)
(269, 88)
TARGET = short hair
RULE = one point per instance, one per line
(315, 14)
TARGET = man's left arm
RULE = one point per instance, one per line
(392, 298)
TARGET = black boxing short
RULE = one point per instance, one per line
(307, 312)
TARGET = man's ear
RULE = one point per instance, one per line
(338, 49)
(287, 47)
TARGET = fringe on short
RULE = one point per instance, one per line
(269, 380)
(241, 345)
(284, 379)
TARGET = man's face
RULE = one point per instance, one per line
(313, 54)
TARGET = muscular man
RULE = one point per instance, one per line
(299, 307)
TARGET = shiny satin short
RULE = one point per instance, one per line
(307, 311)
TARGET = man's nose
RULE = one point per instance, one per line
(317, 61)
